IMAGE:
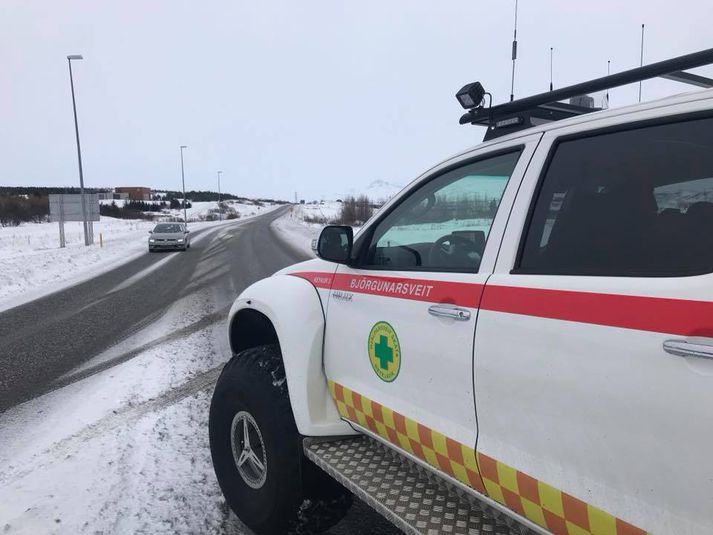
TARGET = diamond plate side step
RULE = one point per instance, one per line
(408, 495)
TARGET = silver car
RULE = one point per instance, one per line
(169, 236)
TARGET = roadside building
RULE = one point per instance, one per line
(135, 193)
(112, 196)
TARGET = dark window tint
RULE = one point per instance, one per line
(637, 202)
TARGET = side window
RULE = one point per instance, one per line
(630, 203)
(443, 225)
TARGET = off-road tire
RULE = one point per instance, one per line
(296, 497)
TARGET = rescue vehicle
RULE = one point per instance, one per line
(520, 341)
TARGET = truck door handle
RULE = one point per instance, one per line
(449, 311)
(682, 348)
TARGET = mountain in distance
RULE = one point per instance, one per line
(377, 191)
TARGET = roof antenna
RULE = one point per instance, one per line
(551, 54)
(641, 63)
(606, 97)
(514, 56)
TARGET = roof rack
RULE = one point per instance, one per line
(545, 107)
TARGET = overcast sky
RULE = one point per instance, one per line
(313, 96)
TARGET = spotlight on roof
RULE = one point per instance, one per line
(471, 95)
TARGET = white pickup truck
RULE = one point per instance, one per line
(521, 340)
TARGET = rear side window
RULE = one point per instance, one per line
(629, 203)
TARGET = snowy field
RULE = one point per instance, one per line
(296, 232)
(324, 212)
(298, 227)
(201, 210)
(303, 223)
(404, 235)
(32, 263)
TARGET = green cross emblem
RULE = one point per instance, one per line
(383, 352)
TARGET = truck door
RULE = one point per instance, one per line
(400, 322)
(594, 346)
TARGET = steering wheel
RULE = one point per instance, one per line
(453, 250)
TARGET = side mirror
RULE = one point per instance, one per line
(186, 231)
(335, 243)
(150, 231)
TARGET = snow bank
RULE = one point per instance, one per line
(201, 210)
(323, 213)
(32, 264)
(297, 229)
(124, 450)
(296, 232)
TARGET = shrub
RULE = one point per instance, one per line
(141, 206)
(355, 211)
(315, 219)
(22, 209)
(128, 211)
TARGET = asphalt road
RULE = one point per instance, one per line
(42, 341)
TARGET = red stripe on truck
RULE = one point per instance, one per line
(654, 314)
(428, 290)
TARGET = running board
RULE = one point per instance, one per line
(411, 497)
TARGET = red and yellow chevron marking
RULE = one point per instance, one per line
(439, 451)
(546, 506)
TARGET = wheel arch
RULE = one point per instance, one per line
(287, 311)
(251, 328)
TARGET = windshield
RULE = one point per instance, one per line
(168, 228)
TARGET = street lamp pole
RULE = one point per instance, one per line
(220, 210)
(79, 150)
(183, 182)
